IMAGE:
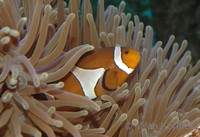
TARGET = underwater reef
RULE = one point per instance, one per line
(41, 41)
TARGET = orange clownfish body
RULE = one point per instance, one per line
(100, 71)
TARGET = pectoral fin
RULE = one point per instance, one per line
(109, 80)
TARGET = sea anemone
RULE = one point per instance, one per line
(41, 41)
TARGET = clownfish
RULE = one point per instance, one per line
(100, 71)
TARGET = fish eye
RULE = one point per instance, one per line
(126, 52)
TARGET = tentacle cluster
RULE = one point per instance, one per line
(40, 42)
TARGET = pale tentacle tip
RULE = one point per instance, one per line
(48, 7)
(24, 18)
(51, 110)
(14, 33)
(154, 61)
(97, 107)
(58, 123)
(134, 122)
(44, 76)
(123, 117)
(104, 97)
(89, 46)
(85, 113)
(6, 30)
(37, 134)
(13, 82)
(60, 84)
(25, 105)
(37, 84)
(102, 130)
(116, 106)
(78, 126)
(89, 16)
(71, 16)
(141, 101)
(164, 73)
(123, 3)
(7, 97)
(5, 40)
(36, 81)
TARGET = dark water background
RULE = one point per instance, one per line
(178, 17)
